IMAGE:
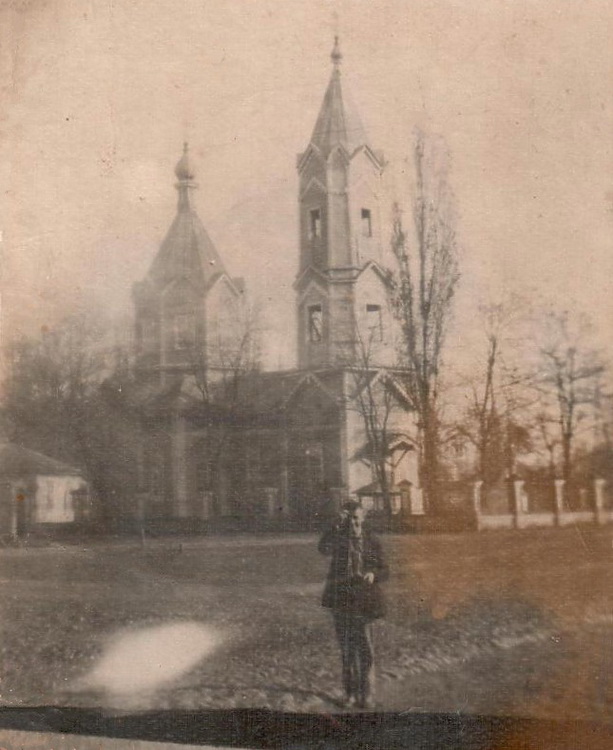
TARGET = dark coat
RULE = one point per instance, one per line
(354, 596)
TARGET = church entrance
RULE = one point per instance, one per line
(307, 488)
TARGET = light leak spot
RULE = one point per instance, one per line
(143, 660)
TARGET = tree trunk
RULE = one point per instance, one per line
(429, 469)
(566, 457)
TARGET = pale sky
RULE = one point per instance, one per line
(98, 97)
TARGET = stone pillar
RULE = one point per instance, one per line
(417, 501)
(207, 504)
(477, 498)
(600, 514)
(179, 467)
(13, 492)
(271, 501)
(518, 501)
(222, 493)
(140, 507)
(284, 495)
(558, 485)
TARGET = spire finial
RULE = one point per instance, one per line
(336, 55)
(183, 169)
(185, 176)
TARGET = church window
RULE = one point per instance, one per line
(366, 223)
(314, 464)
(148, 333)
(268, 463)
(184, 331)
(374, 322)
(204, 474)
(315, 223)
(315, 320)
(157, 478)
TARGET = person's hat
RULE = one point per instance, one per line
(351, 505)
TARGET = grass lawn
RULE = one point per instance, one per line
(502, 622)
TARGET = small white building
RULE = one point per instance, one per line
(38, 491)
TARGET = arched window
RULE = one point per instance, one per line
(314, 224)
(184, 331)
(148, 330)
(315, 323)
(374, 322)
(366, 223)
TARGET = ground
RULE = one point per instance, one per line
(501, 622)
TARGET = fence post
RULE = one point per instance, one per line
(600, 515)
(518, 501)
(14, 525)
(559, 499)
(477, 496)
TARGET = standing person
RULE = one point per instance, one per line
(353, 594)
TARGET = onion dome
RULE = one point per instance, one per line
(184, 170)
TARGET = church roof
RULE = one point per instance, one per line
(338, 123)
(187, 251)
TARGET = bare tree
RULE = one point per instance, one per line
(425, 282)
(379, 398)
(223, 382)
(51, 380)
(497, 419)
(230, 357)
(570, 371)
(547, 435)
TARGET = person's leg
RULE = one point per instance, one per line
(366, 661)
(353, 639)
(344, 635)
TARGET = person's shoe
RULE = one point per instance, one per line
(366, 704)
(350, 701)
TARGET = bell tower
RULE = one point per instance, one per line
(341, 286)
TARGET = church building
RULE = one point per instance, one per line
(219, 441)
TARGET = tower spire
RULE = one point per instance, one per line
(340, 185)
(338, 122)
(185, 176)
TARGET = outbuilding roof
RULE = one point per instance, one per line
(16, 461)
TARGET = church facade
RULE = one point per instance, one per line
(219, 440)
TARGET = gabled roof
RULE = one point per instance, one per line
(16, 461)
(338, 123)
(385, 274)
(236, 284)
(370, 376)
(310, 378)
(311, 272)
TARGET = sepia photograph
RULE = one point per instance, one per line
(306, 386)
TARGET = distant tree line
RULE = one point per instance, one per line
(540, 397)
(55, 401)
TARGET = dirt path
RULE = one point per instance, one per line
(505, 639)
